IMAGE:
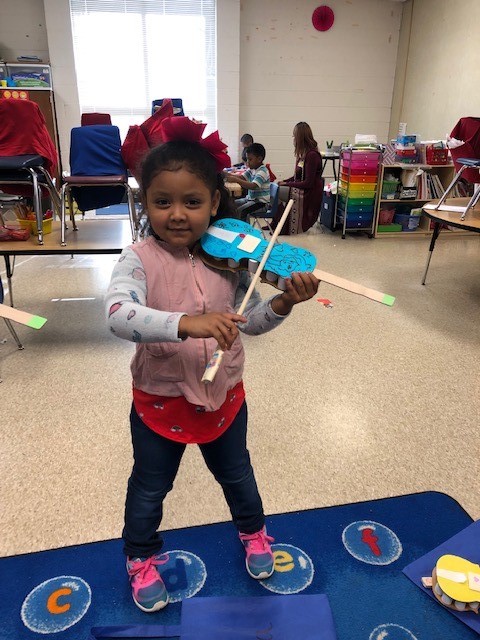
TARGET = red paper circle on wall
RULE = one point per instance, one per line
(322, 18)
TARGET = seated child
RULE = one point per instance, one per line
(256, 179)
(246, 140)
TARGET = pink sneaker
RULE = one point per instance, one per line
(148, 591)
(259, 560)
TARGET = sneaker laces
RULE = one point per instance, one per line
(258, 542)
(145, 569)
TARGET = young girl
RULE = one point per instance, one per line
(176, 309)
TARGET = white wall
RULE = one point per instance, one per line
(441, 82)
(228, 73)
(60, 44)
(22, 30)
(339, 81)
(274, 69)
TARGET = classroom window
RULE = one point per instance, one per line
(130, 52)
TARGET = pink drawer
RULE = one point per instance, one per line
(366, 165)
(360, 171)
(364, 156)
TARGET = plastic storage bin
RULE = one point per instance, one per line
(31, 225)
(385, 216)
(408, 222)
(389, 187)
(389, 228)
(47, 226)
(435, 155)
(30, 75)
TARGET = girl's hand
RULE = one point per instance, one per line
(300, 287)
(221, 326)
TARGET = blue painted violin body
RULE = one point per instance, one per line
(240, 246)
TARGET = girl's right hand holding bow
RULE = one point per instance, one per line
(221, 326)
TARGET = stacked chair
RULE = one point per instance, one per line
(98, 175)
(28, 157)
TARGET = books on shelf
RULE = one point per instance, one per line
(429, 186)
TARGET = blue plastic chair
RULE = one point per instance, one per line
(99, 177)
(176, 103)
(268, 213)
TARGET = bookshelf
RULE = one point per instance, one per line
(430, 184)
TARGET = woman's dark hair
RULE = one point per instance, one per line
(182, 154)
(303, 139)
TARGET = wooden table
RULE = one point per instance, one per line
(452, 218)
(234, 188)
(93, 236)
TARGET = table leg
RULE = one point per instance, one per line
(9, 272)
(436, 232)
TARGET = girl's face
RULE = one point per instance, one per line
(179, 206)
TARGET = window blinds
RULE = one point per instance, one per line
(130, 52)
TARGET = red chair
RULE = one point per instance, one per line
(467, 163)
(28, 157)
(95, 118)
(467, 130)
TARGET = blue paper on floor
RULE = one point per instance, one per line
(229, 618)
(353, 553)
(113, 210)
(465, 544)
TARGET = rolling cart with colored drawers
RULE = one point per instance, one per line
(358, 188)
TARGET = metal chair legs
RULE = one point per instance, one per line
(14, 333)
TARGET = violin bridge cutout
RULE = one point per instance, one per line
(249, 244)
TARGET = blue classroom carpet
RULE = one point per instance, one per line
(113, 210)
(353, 553)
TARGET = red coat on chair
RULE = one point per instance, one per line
(23, 131)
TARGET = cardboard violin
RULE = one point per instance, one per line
(235, 245)
(455, 583)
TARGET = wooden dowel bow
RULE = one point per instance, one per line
(216, 359)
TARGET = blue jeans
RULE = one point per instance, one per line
(245, 206)
(156, 462)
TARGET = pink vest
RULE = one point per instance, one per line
(178, 281)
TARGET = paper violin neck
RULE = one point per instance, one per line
(236, 245)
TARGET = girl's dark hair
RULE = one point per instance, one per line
(182, 154)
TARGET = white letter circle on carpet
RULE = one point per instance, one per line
(184, 574)
(371, 542)
(391, 632)
(56, 604)
(293, 570)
